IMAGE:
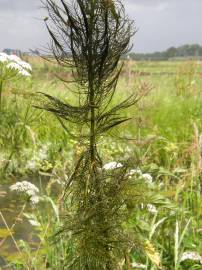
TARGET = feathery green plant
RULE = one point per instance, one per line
(90, 37)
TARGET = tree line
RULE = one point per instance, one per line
(185, 51)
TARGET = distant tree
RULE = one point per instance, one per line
(171, 52)
(184, 51)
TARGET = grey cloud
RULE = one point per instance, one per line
(153, 3)
(21, 5)
(21, 24)
(165, 24)
(161, 23)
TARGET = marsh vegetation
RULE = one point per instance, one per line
(78, 190)
(163, 139)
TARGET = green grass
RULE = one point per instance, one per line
(164, 141)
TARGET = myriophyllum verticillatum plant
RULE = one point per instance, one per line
(12, 67)
(90, 37)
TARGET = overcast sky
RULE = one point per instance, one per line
(161, 23)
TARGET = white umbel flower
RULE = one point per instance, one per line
(4, 55)
(191, 255)
(147, 177)
(24, 73)
(24, 187)
(112, 165)
(152, 208)
(14, 63)
(135, 171)
(138, 265)
(34, 223)
(14, 58)
(3, 58)
(15, 66)
(34, 200)
(25, 65)
(27, 189)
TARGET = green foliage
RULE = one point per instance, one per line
(164, 141)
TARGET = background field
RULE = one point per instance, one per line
(163, 139)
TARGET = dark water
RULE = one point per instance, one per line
(10, 207)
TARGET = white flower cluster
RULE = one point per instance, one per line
(138, 265)
(148, 180)
(134, 172)
(15, 66)
(115, 165)
(34, 223)
(191, 255)
(14, 63)
(145, 176)
(152, 208)
(3, 58)
(112, 165)
(28, 189)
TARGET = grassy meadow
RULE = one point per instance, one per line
(163, 139)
